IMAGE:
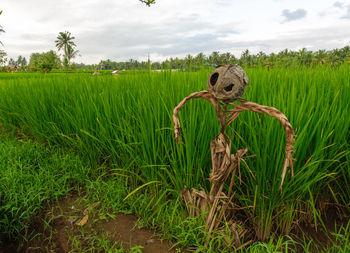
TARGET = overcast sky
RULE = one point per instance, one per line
(124, 29)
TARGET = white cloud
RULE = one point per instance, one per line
(126, 29)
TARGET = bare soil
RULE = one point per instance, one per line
(75, 225)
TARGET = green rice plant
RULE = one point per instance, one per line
(125, 123)
(340, 186)
(318, 113)
(31, 175)
(283, 244)
(341, 239)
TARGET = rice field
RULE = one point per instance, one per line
(122, 126)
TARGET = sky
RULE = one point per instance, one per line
(124, 29)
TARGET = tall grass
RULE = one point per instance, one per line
(30, 175)
(125, 121)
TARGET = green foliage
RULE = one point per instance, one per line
(65, 41)
(1, 31)
(44, 62)
(285, 58)
(126, 122)
(21, 61)
(31, 175)
(341, 240)
(3, 58)
(282, 245)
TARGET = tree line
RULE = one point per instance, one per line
(285, 58)
(50, 60)
(45, 61)
(64, 43)
(3, 54)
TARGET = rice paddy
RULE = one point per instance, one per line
(121, 127)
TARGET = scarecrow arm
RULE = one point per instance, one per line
(201, 94)
(246, 105)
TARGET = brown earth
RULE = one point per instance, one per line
(75, 225)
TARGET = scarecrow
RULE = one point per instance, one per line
(225, 85)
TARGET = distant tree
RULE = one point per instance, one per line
(320, 56)
(1, 29)
(3, 58)
(227, 58)
(73, 66)
(65, 41)
(12, 62)
(285, 58)
(246, 58)
(199, 59)
(71, 53)
(44, 61)
(24, 61)
(155, 65)
(214, 57)
(21, 61)
(34, 61)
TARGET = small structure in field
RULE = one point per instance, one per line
(225, 85)
(115, 72)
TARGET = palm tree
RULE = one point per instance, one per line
(224, 58)
(214, 57)
(199, 59)
(246, 58)
(65, 41)
(1, 30)
(71, 53)
(188, 61)
(320, 56)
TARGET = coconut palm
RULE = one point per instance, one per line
(1, 31)
(65, 41)
(320, 56)
(214, 57)
(71, 53)
(2, 53)
(199, 59)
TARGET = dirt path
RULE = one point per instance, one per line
(75, 225)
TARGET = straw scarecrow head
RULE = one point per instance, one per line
(227, 83)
